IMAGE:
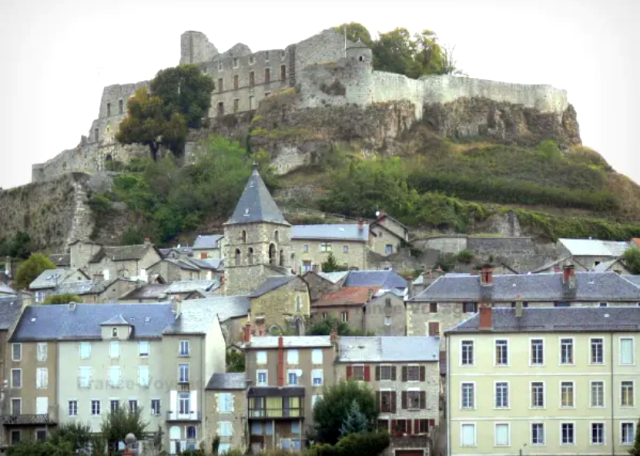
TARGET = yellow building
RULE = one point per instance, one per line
(543, 381)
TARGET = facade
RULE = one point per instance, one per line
(129, 261)
(280, 303)
(208, 246)
(543, 381)
(287, 375)
(346, 305)
(591, 252)
(312, 244)
(384, 315)
(319, 285)
(387, 235)
(46, 283)
(226, 411)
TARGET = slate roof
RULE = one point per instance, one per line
(388, 349)
(188, 251)
(385, 279)
(594, 247)
(83, 321)
(555, 319)
(61, 260)
(187, 286)
(256, 204)
(289, 341)
(271, 284)
(338, 231)
(151, 291)
(9, 311)
(212, 264)
(182, 264)
(84, 287)
(546, 287)
(196, 315)
(207, 241)
(634, 279)
(118, 320)
(347, 296)
(227, 381)
(121, 252)
(333, 277)
(6, 289)
(49, 278)
(605, 265)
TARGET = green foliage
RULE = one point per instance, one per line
(464, 256)
(323, 327)
(354, 422)
(63, 299)
(122, 421)
(132, 236)
(355, 32)
(30, 269)
(235, 361)
(358, 444)
(100, 203)
(631, 259)
(635, 451)
(78, 435)
(17, 246)
(331, 265)
(33, 448)
(549, 150)
(333, 408)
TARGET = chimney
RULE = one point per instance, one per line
(280, 361)
(569, 275)
(176, 306)
(518, 308)
(7, 266)
(360, 224)
(487, 275)
(485, 317)
(147, 241)
(247, 333)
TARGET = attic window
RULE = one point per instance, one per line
(114, 332)
(246, 212)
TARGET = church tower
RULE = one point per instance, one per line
(257, 240)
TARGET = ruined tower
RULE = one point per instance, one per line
(257, 240)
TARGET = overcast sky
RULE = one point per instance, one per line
(58, 55)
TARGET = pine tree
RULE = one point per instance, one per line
(355, 421)
(331, 265)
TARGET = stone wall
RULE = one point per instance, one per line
(501, 246)
(275, 307)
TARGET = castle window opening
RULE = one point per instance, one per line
(281, 258)
(96, 133)
(121, 106)
(267, 74)
(235, 62)
(361, 58)
(251, 60)
(108, 109)
(221, 108)
(282, 54)
(235, 82)
(250, 255)
(108, 158)
(236, 104)
(252, 103)
(283, 72)
(219, 65)
(272, 254)
(238, 259)
(244, 236)
(266, 56)
(277, 236)
(252, 79)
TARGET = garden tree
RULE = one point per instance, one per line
(631, 258)
(30, 269)
(235, 361)
(63, 299)
(331, 265)
(122, 421)
(331, 411)
(355, 32)
(17, 246)
(76, 434)
(355, 421)
(323, 328)
(635, 451)
(35, 448)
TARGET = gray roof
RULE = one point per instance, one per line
(385, 279)
(634, 279)
(151, 291)
(207, 241)
(606, 265)
(187, 286)
(213, 264)
(594, 247)
(227, 381)
(388, 349)
(121, 252)
(188, 251)
(6, 289)
(49, 278)
(256, 204)
(333, 277)
(545, 287)
(9, 311)
(60, 259)
(117, 320)
(557, 319)
(84, 287)
(196, 315)
(83, 321)
(338, 231)
(271, 284)
(290, 341)
(182, 264)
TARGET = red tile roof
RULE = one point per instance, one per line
(347, 296)
(637, 241)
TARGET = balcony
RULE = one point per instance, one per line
(185, 417)
(28, 420)
(274, 403)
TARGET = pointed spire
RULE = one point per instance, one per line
(256, 203)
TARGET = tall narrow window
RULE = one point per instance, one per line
(252, 79)
(250, 255)
(236, 105)
(283, 72)
(502, 358)
(184, 404)
(626, 350)
(537, 352)
(626, 394)
(220, 84)
(108, 109)
(184, 373)
(537, 395)
(267, 74)
(568, 436)
(238, 257)
(566, 392)
(467, 353)
(627, 432)
(468, 434)
(537, 434)
(597, 394)
(502, 395)
(502, 434)
(266, 56)
(121, 106)
(597, 433)
(597, 351)
(468, 399)
(566, 351)
(235, 62)
(235, 82)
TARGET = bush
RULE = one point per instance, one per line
(63, 299)
(464, 256)
(32, 268)
(631, 259)
(359, 444)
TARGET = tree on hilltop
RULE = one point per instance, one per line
(355, 32)
(32, 268)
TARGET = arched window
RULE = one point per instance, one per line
(277, 236)
(272, 254)
(244, 236)
(238, 259)
(281, 258)
(114, 332)
(250, 255)
(361, 58)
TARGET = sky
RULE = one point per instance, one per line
(58, 55)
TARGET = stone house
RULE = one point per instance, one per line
(98, 291)
(387, 235)
(280, 303)
(404, 373)
(208, 246)
(287, 375)
(50, 279)
(384, 315)
(591, 252)
(312, 244)
(129, 261)
(319, 284)
(346, 305)
(174, 270)
(226, 411)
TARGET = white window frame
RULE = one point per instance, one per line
(544, 357)
(114, 349)
(317, 356)
(475, 433)
(42, 384)
(495, 434)
(317, 373)
(224, 400)
(573, 351)
(604, 394)
(266, 377)
(544, 395)
(495, 349)
(187, 377)
(11, 411)
(633, 433)
(575, 440)
(544, 433)
(21, 379)
(633, 383)
(293, 356)
(473, 353)
(462, 395)
(390, 366)
(99, 407)
(13, 347)
(259, 356)
(495, 395)
(42, 348)
(86, 345)
(573, 391)
(75, 402)
(604, 433)
(153, 412)
(291, 372)
(141, 344)
(187, 344)
(633, 350)
(591, 363)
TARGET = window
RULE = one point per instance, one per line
(433, 307)
(41, 435)
(604, 304)
(73, 408)
(261, 357)
(597, 351)
(626, 350)
(184, 348)
(537, 434)
(96, 134)
(502, 395)
(345, 249)
(16, 378)
(121, 106)
(95, 407)
(325, 246)
(467, 434)
(143, 348)
(467, 353)
(143, 375)
(191, 432)
(42, 378)
(85, 350)
(15, 437)
(293, 378)
(283, 72)
(317, 377)
(235, 62)
(305, 247)
(316, 356)
(225, 402)
(567, 436)
(252, 102)
(114, 332)
(385, 372)
(387, 399)
(155, 407)
(133, 405)
(566, 351)
(502, 353)
(108, 109)
(413, 373)
(235, 82)
(183, 370)
(184, 403)
(292, 357)
(626, 394)
(537, 395)
(114, 350)
(114, 404)
(114, 376)
(627, 432)
(16, 352)
(537, 352)
(597, 433)
(16, 406)
(502, 434)
(236, 104)
(267, 75)
(388, 249)
(220, 84)
(387, 321)
(433, 328)
(344, 316)
(262, 377)
(266, 56)
(561, 304)
(357, 373)
(597, 394)
(469, 307)
(413, 400)
(42, 350)
(468, 400)
(566, 394)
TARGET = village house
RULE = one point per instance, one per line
(543, 380)
(589, 253)
(208, 246)
(387, 235)
(49, 280)
(226, 409)
(97, 291)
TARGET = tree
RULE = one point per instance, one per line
(355, 32)
(78, 435)
(331, 265)
(323, 328)
(34, 448)
(235, 361)
(122, 421)
(63, 299)
(32, 268)
(631, 258)
(355, 421)
(549, 150)
(635, 451)
(333, 408)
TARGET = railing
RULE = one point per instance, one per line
(276, 413)
(27, 419)
(191, 416)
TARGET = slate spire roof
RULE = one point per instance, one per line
(256, 204)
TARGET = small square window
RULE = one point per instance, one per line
(235, 62)
(433, 307)
(345, 249)
(143, 348)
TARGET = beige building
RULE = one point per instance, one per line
(543, 381)
(387, 235)
(208, 246)
(226, 411)
(47, 282)
(287, 375)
